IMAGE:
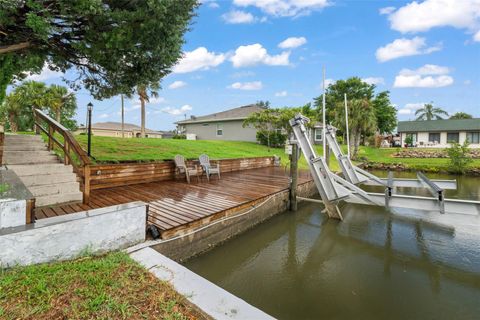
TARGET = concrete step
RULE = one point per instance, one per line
(24, 147)
(30, 160)
(22, 138)
(47, 179)
(45, 168)
(23, 153)
(58, 198)
(54, 189)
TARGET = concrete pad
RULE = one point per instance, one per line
(210, 298)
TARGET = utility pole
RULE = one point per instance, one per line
(123, 118)
(89, 115)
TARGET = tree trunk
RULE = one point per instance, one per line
(356, 144)
(14, 47)
(13, 123)
(58, 115)
(142, 95)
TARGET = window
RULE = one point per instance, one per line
(434, 137)
(219, 129)
(205, 124)
(318, 135)
(473, 137)
(452, 137)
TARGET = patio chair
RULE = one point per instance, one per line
(181, 168)
(208, 168)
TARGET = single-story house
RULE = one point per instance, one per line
(438, 133)
(114, 129)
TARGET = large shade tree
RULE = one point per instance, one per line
(430, 112)
(115, 46)
(367, 112)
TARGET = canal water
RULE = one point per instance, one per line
(373, 265)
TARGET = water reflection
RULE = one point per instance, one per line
(374, 265)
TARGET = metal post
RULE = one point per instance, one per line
(324, 119)
(123, 119)
(89, 115)
(346, 126)
(293, 177)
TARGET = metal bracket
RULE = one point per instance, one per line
(435, 190)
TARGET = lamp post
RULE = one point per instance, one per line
(89, 115)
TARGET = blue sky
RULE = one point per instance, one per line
(242, 51)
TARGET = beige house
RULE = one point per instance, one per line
(228, 125)
(225, 125)
(114, 129)
(438, 133)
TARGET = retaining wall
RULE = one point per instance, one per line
(201, 241)
(68, 236)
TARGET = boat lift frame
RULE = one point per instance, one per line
(333, 188)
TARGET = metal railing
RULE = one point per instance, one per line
(72, 152)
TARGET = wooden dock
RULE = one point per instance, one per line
(176, 207)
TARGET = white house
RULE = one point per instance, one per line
(438, 133)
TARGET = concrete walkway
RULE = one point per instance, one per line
(208, 297)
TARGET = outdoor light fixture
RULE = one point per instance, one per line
(89, 113)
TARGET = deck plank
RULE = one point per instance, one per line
(176, 205)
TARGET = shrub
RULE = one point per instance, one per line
(179, 136)
(459, 157)
(276, 139)
(409, 141)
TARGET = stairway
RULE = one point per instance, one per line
(45, 176)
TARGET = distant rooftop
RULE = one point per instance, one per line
(110, 125)
(239, 113)
(439, 125)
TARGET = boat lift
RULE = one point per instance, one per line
(334, 189)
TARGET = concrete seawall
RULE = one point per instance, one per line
(184, 247)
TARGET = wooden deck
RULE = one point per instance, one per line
(176, 207)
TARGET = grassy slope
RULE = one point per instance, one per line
(108, 287)
(117, 149)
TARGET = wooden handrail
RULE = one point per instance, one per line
(70, 144)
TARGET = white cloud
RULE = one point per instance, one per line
(476, 37)
(410, 108)
(213, 5)
(281, 94)
(242, 74)
(284, 8)
(156, 100)
(374, 80)
(198, 59)
(177, 84)
(386, 10)
(103, 116)
(45, 74)
(254, 85)
(428, 76)
(428, 69)
(328, 82)
(292, 42)
(403, 48)
(421, 17)
(177, 111)
(467, 82)
(238, 17)
(254, 54)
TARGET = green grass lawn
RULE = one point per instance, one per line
(107, 287)
(107, 149)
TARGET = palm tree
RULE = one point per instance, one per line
(12, 110)
(429, 112)
(144, 96)
(31, 94)
(58, 98)
(461, 115)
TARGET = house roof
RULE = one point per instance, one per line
(439, 125)
(118, 126)
(239, 113)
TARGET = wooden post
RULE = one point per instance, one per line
(30, 211)
(2, 142)
(293, 177)
(66, 152)
(86, 184)
(51, 132)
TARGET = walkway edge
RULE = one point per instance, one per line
(208, 297)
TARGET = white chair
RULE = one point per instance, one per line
(181, 168)
(207, 166)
